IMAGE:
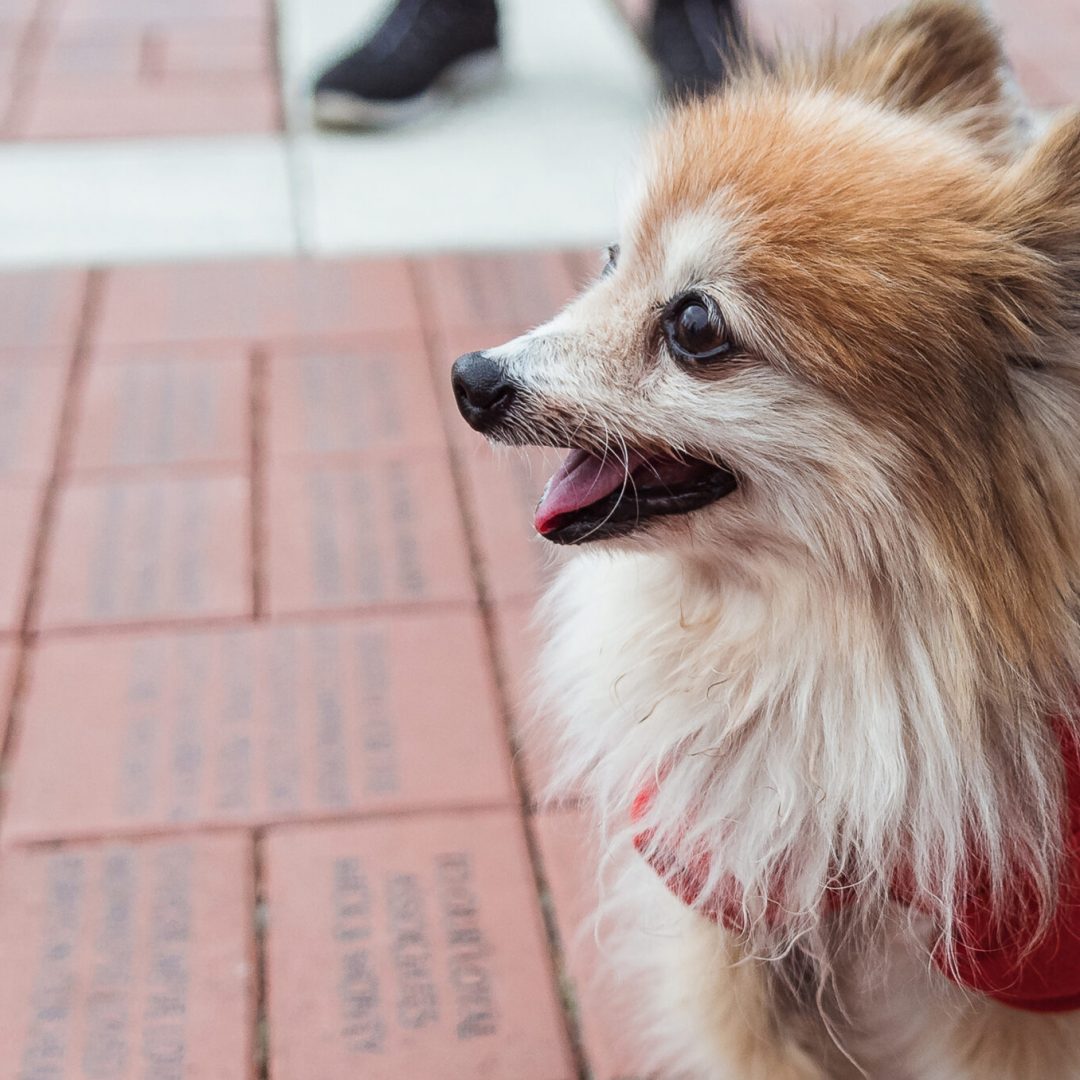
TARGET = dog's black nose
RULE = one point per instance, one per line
(483, 391)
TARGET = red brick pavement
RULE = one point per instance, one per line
(129, 960)
(263, 639)
(103, 68)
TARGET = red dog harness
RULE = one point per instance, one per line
(992, 951)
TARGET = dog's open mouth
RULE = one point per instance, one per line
(595, 498)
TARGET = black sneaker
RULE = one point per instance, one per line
(422, 49)
(692, 43)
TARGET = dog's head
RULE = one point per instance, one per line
(809, 336)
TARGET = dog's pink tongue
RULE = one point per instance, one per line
(581, 480)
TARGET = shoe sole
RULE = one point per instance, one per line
(335, 109)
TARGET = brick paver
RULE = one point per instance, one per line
(11, 33)
(331, 399)
(39, 309)
(201, 50)
(138, 733)
(149, 550)
(102, 68)
(410, 949)
(383, 531)
(166, 408)
(128, 961)
(112, 108)
(31, 400)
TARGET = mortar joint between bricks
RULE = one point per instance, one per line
(260, 926)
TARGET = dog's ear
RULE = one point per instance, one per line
(1046, 185)
(1037, 201)
(942, 57)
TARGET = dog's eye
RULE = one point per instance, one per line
(612, 260)
(695, 329)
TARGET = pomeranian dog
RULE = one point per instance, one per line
(816, 661)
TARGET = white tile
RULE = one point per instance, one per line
(94, 201)
(481, 181)
(540, 160)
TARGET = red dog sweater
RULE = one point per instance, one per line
(992, 951)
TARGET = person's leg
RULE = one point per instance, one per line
(421, 48)
(692, 43)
